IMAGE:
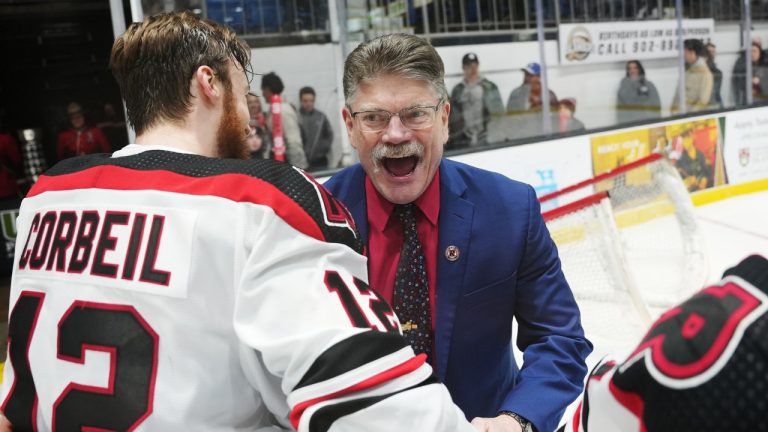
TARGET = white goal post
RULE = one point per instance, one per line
(628, 241)
(591, 256)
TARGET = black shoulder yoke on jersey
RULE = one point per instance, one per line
(330, 216)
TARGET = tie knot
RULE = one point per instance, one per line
(405, 212)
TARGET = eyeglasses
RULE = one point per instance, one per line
(414, 118)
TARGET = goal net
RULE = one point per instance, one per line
(642, 238)
(594, 265)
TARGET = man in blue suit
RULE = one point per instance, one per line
(487, 255)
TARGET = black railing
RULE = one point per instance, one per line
(256, 19)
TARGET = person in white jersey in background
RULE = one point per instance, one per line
(167, 287)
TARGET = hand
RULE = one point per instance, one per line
(500, 423)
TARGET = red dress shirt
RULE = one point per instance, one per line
(385, 239)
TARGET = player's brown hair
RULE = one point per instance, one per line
(154, 61)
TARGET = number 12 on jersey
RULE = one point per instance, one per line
(117, 330)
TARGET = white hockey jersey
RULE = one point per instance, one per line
(162, 291)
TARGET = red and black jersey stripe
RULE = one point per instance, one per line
(350, 354)
(345, 356)
(301, 202)
(323, 418)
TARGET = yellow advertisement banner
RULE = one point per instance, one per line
(694, 147)
(611, 151)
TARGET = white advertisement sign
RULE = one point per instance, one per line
(627, 40)
(547, 166)
(746, 145)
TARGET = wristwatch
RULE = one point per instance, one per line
(524, 424)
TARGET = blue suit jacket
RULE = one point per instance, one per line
(508, 266)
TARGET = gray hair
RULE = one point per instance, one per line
(399, 54)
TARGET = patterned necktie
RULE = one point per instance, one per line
(411, 297)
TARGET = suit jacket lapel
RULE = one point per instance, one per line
(352, 192)
(455, 225)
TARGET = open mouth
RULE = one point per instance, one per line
(400, 167)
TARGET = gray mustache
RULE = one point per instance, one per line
(412, 148)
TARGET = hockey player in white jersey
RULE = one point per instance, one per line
(166, 288)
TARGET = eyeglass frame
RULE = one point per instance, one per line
(440, 101)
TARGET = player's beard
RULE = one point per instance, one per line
(232, 132)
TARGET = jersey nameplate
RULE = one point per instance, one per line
(146, 250)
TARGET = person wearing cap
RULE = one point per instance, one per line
(527, 96)
(80, 138)
(698, 79)
(566, 120)
(473, 101)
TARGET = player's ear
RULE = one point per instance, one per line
(204, 83)
(349, 122)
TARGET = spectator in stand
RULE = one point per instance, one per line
(638, 98)
(527, 97)
(316, 129)
(271, 84)
(80, 138)
(716, 101)
(259, 140)
(10, 197)
(698, 79)
(113, 126)
(566, 120)
(10, 165)
(759, 75)
(473, 102)
(524, 107)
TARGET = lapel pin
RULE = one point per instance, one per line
(452, 253)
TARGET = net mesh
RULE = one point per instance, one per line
(592, 262)
(656, 229)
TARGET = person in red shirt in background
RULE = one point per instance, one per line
(80, 139)
(10, 166)
(10, 198)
